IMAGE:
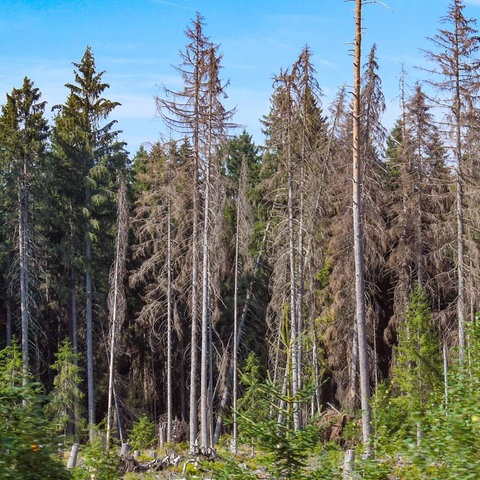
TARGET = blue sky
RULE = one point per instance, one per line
(137, 41)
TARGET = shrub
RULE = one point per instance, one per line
(142, 434)
(95, 460)
(25, 451)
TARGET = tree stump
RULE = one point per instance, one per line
(72, 459)
(125, 449)
(348, 465)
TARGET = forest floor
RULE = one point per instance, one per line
(174, 462)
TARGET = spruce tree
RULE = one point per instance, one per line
(198, 113)
(454, 67)
(416, 375)
(358, 234)
(23, 135)
(86, 142)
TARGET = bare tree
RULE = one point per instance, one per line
(456, 67)
(117, 300)
(358, 234)
(197, 112)
(182, 113)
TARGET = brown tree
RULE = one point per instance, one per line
(457, 79)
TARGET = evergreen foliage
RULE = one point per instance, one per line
(26, 450)
(286, 448)
(142, 434)
(416, 374)
(241, 254)
(66, 395)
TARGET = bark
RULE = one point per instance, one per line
(74, 340)
(459, 214)
(358, 239)
(193, 420)
(445, 374)
(231, 374)
(72, 459)
(235, 335)
(197, 80)
(23, 233)
(294, 339)
(169, 322)
(89, 339)
(9, 322)
(205, 343)
(117, 301)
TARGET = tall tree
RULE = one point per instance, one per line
(23, 134)
(458, 81)
(296, 137)
(217, 123)
(282, 187)
(311, 152)
(358, 232)
(198, 113)
(420, 199)
(88, 142)
(241, 172)
(117, 299)
(162, 224)
(181, 110)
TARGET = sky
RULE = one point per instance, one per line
(137, 44)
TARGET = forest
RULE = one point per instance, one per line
(305, 308)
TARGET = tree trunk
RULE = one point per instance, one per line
(74, 339)
(235, 335)
(9, 321)
(352, 391)
(445, 374)
(169, 322)
(204, 392)
(193, 419)
(293, 273)
(24, 278)
(460, 266)
(358, 239)
(72, 459)
(88, 320)
(231, 374)
(117, 302)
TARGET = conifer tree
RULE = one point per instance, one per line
(360, 316)
(198, 113)
(454, 66)
(420, 199)
(117, 302)
(182, 112)
(23, 134)
(241, 175)
(296, 141)
(62, 408)
(86, 141)
(416, 373)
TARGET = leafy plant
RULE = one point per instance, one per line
(450, 448)
(96, 461)
(25, 450)
(66, 394)
(286, 449)
(142, 434)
